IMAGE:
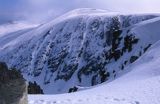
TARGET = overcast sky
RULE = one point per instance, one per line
(40, 10)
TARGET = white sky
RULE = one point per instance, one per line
(39, 10)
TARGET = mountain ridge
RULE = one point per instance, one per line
(81, 50)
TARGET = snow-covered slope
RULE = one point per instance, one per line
(13, 26)
(11, 30)
(80, 49)
(139, 86)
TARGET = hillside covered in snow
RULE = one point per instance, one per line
(84, 48)
(139, 86)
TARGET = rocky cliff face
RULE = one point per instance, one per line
(13, 88)
(82, 48)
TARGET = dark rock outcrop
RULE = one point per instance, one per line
(74, 89)
(34, 88)
(13, 88)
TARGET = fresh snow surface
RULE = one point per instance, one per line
(140, 86)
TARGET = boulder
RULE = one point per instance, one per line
(13, 87)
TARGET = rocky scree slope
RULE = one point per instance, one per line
(83, 48)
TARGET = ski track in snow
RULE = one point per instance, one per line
(99, 99)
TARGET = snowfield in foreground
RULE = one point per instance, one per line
(140, 86)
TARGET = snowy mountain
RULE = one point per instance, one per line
(82, 48)
(13, 26)
(139, 86)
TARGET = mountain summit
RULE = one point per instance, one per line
(80, 49)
